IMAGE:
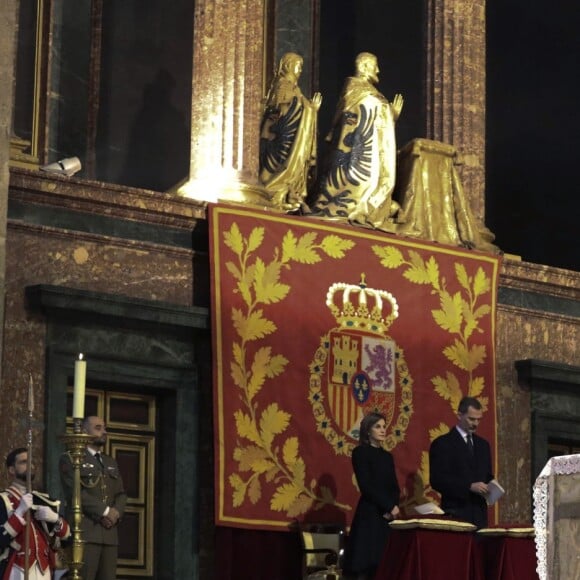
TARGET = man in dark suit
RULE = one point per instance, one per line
(460, 466)
(103, 501)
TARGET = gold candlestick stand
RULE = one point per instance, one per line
(76, 444)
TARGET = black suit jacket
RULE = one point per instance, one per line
(453, 469)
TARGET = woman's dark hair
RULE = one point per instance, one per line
(366, 424)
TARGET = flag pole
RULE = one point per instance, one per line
(28, 475)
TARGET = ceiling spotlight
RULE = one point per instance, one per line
(68, 166)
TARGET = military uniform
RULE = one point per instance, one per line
(42, 535)
(101, 488)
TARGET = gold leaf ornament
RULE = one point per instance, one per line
(481, 283)
(300, 506)
(462, 276)
(450, 316)
(435, 432)
(239, 489)
(433, 272)
(267, 288)
(255, 326)
(259, 283)
(476, 387)
(284, 497)
(256, 238)
(389, 256)
(448, 388)
(252, 458)
(246, 427)
(335, 247)
(289, 244)
(418, 271)
(477, 354)
(306, 250)
(254, 490)
(458, 354)
(276, 366)
(273, 422)
(238, 375)
(458, 314)
(234, 240)
(290, 451)
(298, 470)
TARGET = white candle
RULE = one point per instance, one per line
(79, 388)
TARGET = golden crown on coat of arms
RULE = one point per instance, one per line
(362, 316)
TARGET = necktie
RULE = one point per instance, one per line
(470, 443)
(99, 459)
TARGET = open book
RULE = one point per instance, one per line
(494, 492)
(428, 508)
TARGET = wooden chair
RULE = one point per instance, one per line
(322, 550)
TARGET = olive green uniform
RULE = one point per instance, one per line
(101, 488)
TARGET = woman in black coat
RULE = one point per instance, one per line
(374, 469)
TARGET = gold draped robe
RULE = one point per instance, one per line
(287, 144)
(359, 176)
(433, 203)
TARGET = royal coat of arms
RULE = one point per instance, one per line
(358, 367)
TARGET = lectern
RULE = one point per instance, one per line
(557, 518)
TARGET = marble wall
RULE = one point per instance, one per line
(117, 250)
(144, 246)
(538, 318)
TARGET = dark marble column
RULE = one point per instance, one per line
(294, 30)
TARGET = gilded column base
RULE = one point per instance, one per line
(231, 190)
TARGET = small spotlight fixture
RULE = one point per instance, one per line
(68, 166)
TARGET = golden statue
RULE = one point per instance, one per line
(288, 136)
(359, 175)
(433, 203)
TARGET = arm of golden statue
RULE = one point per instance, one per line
(316, 101)
(397, 106)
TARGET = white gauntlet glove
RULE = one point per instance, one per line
(24, 505)
(46, 514)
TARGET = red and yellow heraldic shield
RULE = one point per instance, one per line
(316, 324)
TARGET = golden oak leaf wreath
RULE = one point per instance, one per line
(265, 454)
(458, 314)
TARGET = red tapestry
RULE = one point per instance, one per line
(316, 324)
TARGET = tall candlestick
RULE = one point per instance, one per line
(79, 388)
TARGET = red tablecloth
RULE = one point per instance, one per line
(420, 554)
(508, 558)
(423, 554)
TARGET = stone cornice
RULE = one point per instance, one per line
(52, 298)
(110, 201)
(541, 373)
(106, 199)
(540, 279)
(537, 313)
(64, 234)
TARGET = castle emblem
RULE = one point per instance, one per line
(358, 368)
